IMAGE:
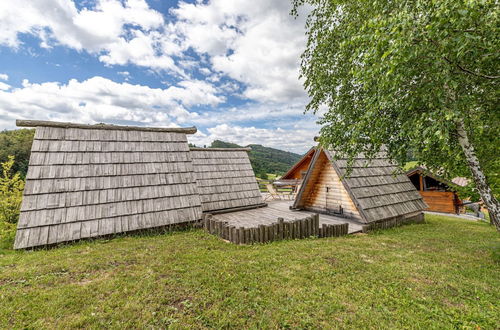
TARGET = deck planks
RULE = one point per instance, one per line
(275, 209)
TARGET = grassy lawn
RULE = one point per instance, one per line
(442, 274)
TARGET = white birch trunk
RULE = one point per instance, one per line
(478, 175)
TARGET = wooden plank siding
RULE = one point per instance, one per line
(297, 171)
(440, 201)
(328, 191)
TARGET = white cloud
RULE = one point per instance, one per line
(244, 49)
(120, 32)
(4, 76)
(255, 42)
(294, 139)
(4, 86)
(102, 100)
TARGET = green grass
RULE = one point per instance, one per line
(442, 274)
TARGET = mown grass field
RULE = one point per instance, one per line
(442, 274)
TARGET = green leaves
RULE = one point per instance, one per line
(11, 192)
(400, 73)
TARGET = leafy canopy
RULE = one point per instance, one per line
(18, 144)
(401, 73)
(11, 192)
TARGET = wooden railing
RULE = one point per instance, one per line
(279, 230)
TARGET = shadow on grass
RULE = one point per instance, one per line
(7, 236)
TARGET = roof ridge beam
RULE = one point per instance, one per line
(43, 123)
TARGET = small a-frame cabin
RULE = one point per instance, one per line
(374, 192)
(298, 171)
(436, 192)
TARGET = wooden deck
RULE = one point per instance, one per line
(279, 209)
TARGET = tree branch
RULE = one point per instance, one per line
(469, 71)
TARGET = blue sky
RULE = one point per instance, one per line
(228, 67)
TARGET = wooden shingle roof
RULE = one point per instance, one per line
(225, 178)
(378, 189)
(93, 180)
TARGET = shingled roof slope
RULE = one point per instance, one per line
(378, 188)
(225, 178)
(87, 181)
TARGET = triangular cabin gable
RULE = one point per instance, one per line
(299, 169)
(324, 191)
(374, 191)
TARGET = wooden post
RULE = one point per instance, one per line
(236, 236)
(316, 224)
(247, 236)
(241, 235)
(324, 230)
(281, 234)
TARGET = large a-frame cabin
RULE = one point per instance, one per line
(374, 193)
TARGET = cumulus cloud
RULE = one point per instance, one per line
(243, 50)
(294, 139)
(255, 42)
(101, 100)
(4, 86)
(4, 76)
(119, 32)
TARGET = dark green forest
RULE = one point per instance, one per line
(264, 159)
(17, 143)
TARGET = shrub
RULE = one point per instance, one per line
(11, 192)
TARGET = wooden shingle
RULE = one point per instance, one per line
(375, 189)
(87, 181)
(225, 179)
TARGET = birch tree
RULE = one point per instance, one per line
(420, 76)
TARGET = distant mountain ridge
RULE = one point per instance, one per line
(264, 159)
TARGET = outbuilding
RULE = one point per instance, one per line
(375, 192)
(440, 195)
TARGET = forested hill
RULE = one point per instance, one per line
(265, 159)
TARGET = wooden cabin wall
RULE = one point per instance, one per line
(320, 162)
(299, 172)
(318, 196)
(440, 201)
